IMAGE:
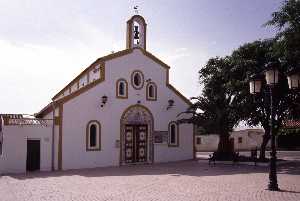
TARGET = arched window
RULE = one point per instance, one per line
(151, 91)
(121, 88)
(93, 136)
(173, 134)
(137, 79)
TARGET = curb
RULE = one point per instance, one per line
(244, 163)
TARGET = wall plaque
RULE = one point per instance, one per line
(160, 136)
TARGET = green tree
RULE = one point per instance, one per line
(250, 59)
(217, 110)
(287, 22)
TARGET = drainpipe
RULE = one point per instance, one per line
(53, 133)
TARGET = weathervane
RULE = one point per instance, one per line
(136, 9)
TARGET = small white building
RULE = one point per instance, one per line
(25, 144)
(207, 142)
(247, 139)
(120, 110)
(243, 140)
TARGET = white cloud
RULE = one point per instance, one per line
(31, 74)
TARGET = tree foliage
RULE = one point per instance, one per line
(219, 102)
(250, 59)
(287, 21)
(226, 100)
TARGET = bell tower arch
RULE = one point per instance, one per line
(136, 32)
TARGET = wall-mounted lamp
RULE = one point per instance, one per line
(104, 100)
(170, 104)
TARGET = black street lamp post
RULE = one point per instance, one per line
(273, 185)
(272, 77)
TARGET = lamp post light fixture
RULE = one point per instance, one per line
(272, 75)
(272, 79)
(293, 80)
(255, 84)
(170, 104)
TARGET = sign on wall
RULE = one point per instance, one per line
(160, 136)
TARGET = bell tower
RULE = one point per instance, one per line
(136, 32)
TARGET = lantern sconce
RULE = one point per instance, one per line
(170, 104)
(293, 79)
(104, 100)
(255, 84)
(272, 73)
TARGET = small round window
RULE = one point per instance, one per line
(137, 79)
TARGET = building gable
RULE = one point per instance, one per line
(101, 61)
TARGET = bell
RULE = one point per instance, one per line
(136, 35)
(136, 32)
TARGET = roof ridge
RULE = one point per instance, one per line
(88, 68)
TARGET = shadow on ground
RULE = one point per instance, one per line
(188, 168)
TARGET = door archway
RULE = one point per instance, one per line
(136, 135)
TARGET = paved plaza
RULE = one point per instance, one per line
(189, 180)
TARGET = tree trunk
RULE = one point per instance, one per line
(224, 143)
(266, 138)
(225, 149)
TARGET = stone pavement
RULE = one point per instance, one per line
(181, 181)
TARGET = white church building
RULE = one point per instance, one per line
(120, 110)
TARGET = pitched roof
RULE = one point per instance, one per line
(55, 103)
(110, 57)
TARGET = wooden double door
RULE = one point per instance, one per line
(136, 139)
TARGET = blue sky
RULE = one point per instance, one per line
(45, 44)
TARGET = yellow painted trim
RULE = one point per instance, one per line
(148, 98)
(102, 60)
(117, 89)
(129, 31)
(194, 140)
(145, 36)
(186, 100)
(154, 58)
(169, 134)
(87, 135)
(48, 108)
(56, 121)
(137, 16)
(88, 77)
(109, 57)
(60, 137)
(129, 35)
(84, 88)
(97, 62)
(142, 79)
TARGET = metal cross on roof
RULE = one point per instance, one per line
(136, 9)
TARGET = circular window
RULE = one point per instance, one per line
(137, 79)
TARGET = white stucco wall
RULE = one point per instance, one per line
(208, 142)
(79, 111)
(251, 139)
(13, 159)
(164, 153)
(56, 136)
